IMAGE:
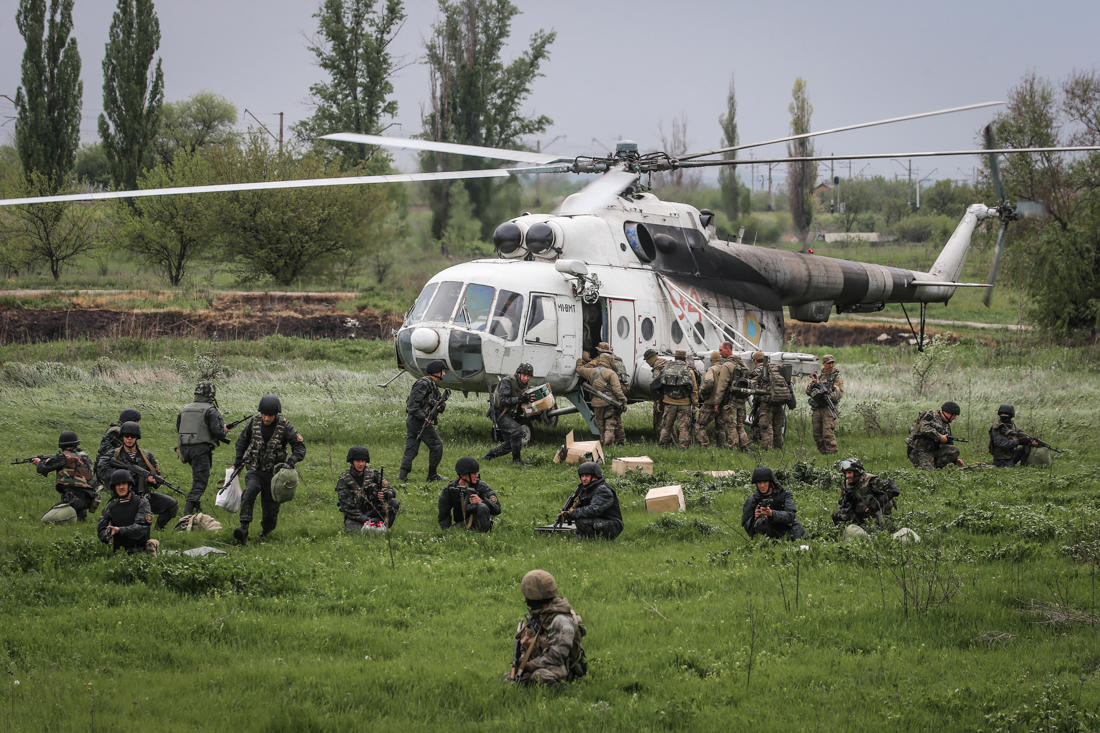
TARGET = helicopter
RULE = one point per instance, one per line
(617, 265)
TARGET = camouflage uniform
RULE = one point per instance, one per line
(676, 415)
(549, 638)
(771, 416)
(924, 446)
(262, 448)
(710, 405)
(871, 496)
(1007, 449)
(357, 498)
(74, 479)
(456, 510)
(824, 424)
(607, 415)
(658, 365)
(732, 377)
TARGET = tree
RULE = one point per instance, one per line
(354, 49)
(727, 176)
(47, 104)
(463, 231)
(91, 167)
(475, 97)
(132, 97)
(192, 124)
(801, 175)
(677, 144)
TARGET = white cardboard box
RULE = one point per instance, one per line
(665, 499)
(636, 463)
(577, 451)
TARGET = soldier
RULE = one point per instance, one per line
(261, 448)
(864, 495)
(424, 397)
(507, 399)
(125, 521)
(616, 363)
(111, 440)
(930, 444)
(657, 365)
(75, 480)
(680, 396)
(1008, 447)
(548, 640)
(771, 415)
(367, 500)
(594, 506)
(468, 501)
(710, 405)
(607, 414)
(731, 388)
(200, 427)
(824, 417)
(770, 510)
(131, 454)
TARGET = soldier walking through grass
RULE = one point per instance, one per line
(422, 410)
(262, 449)
(200, 428)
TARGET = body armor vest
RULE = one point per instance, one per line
(193, 428)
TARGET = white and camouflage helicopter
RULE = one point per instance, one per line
(614, 263)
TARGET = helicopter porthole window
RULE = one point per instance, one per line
(622, 327)
(699, 331)
(647, 329)
(677, 334)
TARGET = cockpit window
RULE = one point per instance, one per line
(421, 303)
(444, 303)
(473, 312)
(542, 323)
(506, 315)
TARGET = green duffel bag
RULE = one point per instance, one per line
(284, 485)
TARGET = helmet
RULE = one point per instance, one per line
(284, 485)
(270, 405)
(591, 468)
(358, 453)
(852, 464)
(130, 429)
(603, 348)
(129, 415)
(649, 354)
(205, 389)
(538, 585)
(951, 408)
(1007, 410)
(762, 473)
(68, 439)
(120, 476)
(828, 359)
(436, 366)
(466, 465)
(525, 368)
(758, 356)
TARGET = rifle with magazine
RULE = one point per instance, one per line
(433, 413)
(145, 473)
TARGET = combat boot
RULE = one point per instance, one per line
(437, 477)
(241, 534)
(403, 477)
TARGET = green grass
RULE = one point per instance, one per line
(313, 630)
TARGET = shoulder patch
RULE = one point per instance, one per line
(149, 518)
(298, 437)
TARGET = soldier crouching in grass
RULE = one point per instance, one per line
(143, 468)
(548, 647)
(124, 523)
(367, 500)
(930, 444)
(770, 510)
(594, 506)
(864, 495)
(75, 480)
(468, 501)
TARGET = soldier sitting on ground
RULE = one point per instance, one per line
(74, 480)
(770, 510)
(145, 472)
(111, 439)
(468, 501)
(864, 495)
(548, 640)
(125, 521)
(367, 500)
(930, 444)
(594, 506)
(1008, 445)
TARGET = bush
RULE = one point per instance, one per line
(40, 373)
(201, 575)
(919, 228)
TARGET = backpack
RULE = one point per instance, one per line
(620, 371)
(676, 380)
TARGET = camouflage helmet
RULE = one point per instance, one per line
(525, 368)
(1006, 410)
(758, 356)
(591, 468)
(205, 389)
(603, 348)
(466, 465)
(358, 453)
(120, 476)
(284, 485)
(763, 473)
(828, 359)
(538, 585)
(67, 439)
(129, 415)
(951, 408)
(649, 354)
(852, 464)
(130, 429)
(680, 355)
(269, 405)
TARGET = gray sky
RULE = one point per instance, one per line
(624, 70)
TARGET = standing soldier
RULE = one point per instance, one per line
(771, 416)
(367, 500)
(111, 439)
(657, 364)
(594, 506)
(548, 640)
(143, 468)
(824, 414)
(467, 501)
(600, 375)
(261, 448)
(75, 480)
(506, 401)
(711, 406)
(200, 427)
(422, 410)
(125, 521)
(864, 495)
(731, 387)
(930, 444)
(681, 395)
(1007, 444)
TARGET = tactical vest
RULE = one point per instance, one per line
(778, 389)
(918, 441)
(817, 400)
(262, 456)
(576, 664)
(620, 372)
(193, 428)
(124, 513)
(77, 471)
(1004, 428)
(676, 380)
(516, 389)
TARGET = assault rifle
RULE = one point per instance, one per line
(951, 440)
(818, 389)
(519, 661)
(433, 413)
(145, 474)
(234, 424)
(31, 459)
(1039, 443)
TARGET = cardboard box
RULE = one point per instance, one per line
(665, 499)
(578, 451)
(540, 405)
(637, 463)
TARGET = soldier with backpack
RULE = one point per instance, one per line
(680, 395)
(657, 365)
(548, 647)
(771, 416)
(605, 383)
(731, 386)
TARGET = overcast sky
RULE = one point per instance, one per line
(627, 69)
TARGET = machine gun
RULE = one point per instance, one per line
(817, 389)
(146, 473)
(1038, 443)
(31, 459)
(433, 413)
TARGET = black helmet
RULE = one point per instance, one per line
(120, 476)
(130, 429)
(270, 405)
(525, 368)
(1007, 410)
(951, 408)
(435, 366)
(467, 465)
(591, 468)
(68, 439)
(762, 473)
(852, 464)
(358, 453)
(129, 415)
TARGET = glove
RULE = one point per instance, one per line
(528, 398)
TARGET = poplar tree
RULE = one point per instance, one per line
(801, 175)
(727, 176)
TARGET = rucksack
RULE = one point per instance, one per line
(620, 371)
(676, 380)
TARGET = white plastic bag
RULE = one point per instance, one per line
(229, 498)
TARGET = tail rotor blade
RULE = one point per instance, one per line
(994, 170)
(1032, 209)
(996, 264)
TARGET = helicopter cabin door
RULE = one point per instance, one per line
(541, 339)
(620, 333)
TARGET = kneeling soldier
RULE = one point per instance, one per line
(468, 501)
(144, 470)
(125, 522)
(74, 480)
(770, 510)
(594, 506)
(930, 444)
(864, 495)
(548, 647)
(366, 499)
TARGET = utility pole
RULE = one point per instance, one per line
(280, 133)
(279, 137)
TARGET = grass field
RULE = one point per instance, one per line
(988, 624)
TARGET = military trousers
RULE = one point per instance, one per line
(511, 433)
(428, 437)
(164, 506)
(676, 424)
(771, 420)
(928, 460)
(731, 419)
(199, 461)
(609, 422)
(607, 529)
(80, 501)
(258, 483)
(824, 426)
(707, 415)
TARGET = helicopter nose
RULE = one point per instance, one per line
(425, 340)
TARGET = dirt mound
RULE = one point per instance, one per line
(848, 334)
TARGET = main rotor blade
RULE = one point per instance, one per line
(521, 156)
(994, 170)
(879, 156)
(988, 297)
(841, 129)
(599, 193)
